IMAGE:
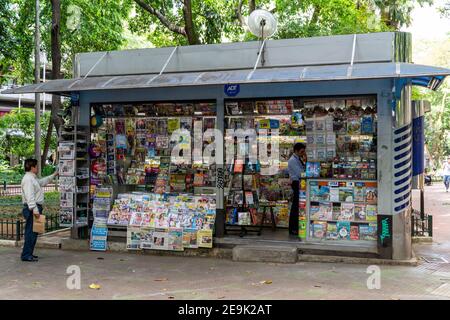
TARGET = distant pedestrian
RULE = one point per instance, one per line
(446, 174)
(32, 199)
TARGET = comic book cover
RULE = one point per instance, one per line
(147, 237)
(371, 195)
(190, 238)
(360, 212)
(160, 239)
(371, 212)
(176, 239)
(372, 234)
(354, 233)
(133, 238)
(249, 198)
(332, 233)
(204, 238)
(248, 182)
(282, 215)
(343, 229)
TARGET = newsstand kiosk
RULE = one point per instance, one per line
(348, 98)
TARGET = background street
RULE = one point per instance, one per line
(137, 276)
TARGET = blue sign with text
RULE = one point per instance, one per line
(418, 142)
(232, 90)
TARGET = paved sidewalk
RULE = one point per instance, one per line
(138, 276)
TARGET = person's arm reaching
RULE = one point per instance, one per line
(44, 181)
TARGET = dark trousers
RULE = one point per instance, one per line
(293, 216)
(30, 236)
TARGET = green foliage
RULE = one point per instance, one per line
(17, 133)
(86, 25)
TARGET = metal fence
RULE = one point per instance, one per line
(14, 228)
(421, 225)
(16, 190)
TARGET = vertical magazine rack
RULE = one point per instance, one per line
(74, 175)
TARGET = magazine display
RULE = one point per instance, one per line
(173, 221)
(348, 214)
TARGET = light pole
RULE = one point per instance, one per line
(37, 98)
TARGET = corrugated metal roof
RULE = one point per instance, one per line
(429, 76)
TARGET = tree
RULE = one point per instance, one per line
(165, 22)
(397, 13)
(17, 133)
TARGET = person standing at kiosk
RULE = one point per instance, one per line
(296, 165)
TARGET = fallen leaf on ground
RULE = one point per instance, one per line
(161, 279)
(100, 258)
(316, 286)
(94, 286)
(266, 282)
(171, 297)
(221, 297)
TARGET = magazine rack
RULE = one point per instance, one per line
(75, 199)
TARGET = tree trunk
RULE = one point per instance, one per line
(56, 73)
(251, 6)
(189, 23)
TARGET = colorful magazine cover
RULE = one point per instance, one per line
(371, 212)
(346, 194)
(249, 198)
(190, 238)
(133, 238)
(372, 234)
(360, 212)
(176, 239)
(343, 229)
(354, 233)
(160, 239)
(359, 193)
(204, 239)
(367, 124)
(325, 210)
(336, 210)
(319, 229)
(147, 237)
(314, 211)
(371, 195)
(324, 193)
(136, 219)
(347, 211)
(364, 232)
(334, 194)
(332, 233)
(244, 218)
(314, 191)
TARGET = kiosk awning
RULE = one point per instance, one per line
(427, 76)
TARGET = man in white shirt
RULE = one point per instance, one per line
(446, 174)
(32, 199)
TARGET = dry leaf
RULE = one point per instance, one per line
(316, 286)
(266, 282)
(94, 286)
(221, 297)
(100, 258)
(161, 279)
(171, 297)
